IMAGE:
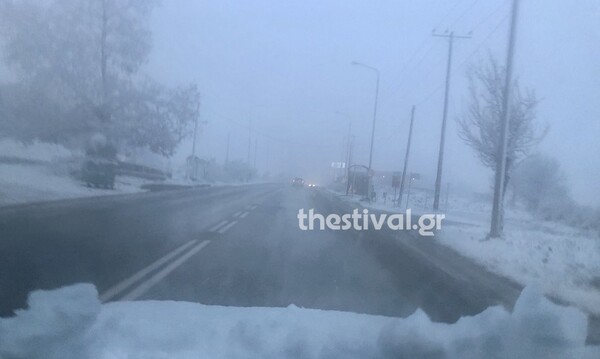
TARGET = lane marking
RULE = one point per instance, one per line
(150, 282)
(243, 215)
(237, 214)
(224, 229)
(214, 228)
(254, 206)
(126, 283)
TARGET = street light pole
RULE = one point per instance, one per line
(369, 194)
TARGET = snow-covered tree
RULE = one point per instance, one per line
(83, 57)
(538, 181)
(480, 127)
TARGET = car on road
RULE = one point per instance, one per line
(298, 182)
(99, 172)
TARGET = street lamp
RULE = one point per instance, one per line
(355, 63)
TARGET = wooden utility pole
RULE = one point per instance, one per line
(438, 179)
(227, 153)
(412, 118)
(497, 222)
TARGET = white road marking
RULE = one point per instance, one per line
(237, 214)
(254, 207)
(214, 228)
(224, 229)
(121, 286)
(150, 282)
(243, 215)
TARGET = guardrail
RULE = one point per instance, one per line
(135, 170)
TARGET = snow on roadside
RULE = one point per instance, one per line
(562, 260)
(563, 264)
(24, 183)
(41, 172)
(71, 323)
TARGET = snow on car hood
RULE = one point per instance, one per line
(71, 322)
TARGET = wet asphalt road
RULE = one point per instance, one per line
(235, 245)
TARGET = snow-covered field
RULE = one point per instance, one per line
(70, 323)
(561, 260)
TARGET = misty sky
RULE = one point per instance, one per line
(285, 67)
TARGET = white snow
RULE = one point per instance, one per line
(71, 323)
(564, 263)
(561, 260)
(41, 172)
(24, 183)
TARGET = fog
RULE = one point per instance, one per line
(259, 165)
(286, 68)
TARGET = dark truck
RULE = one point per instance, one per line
(99, 172)
(99, 168)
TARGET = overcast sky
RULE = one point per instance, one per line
(285, 67)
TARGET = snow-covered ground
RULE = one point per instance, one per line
(71, 323)
(561, 260)
(41, 172)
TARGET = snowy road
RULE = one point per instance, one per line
(238, 246)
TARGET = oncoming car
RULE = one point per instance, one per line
(298, 182)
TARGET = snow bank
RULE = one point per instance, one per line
(23, 183)
(561, 260)
(42, 171)
(71, 323)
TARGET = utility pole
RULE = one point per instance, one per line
(412, 118)
(195, 130)
(348, 152)
(255, 150)
(266, 156)
(370, 174)
(227, 153)
(497, 222)
(438, 179)
(249, 141)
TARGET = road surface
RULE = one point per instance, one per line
(239, 246)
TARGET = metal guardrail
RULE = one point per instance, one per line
(135, 170)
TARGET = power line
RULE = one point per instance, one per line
(406, 69)
(488, 16)
(496, 28)
(465, 12)
(407, 65)
(467, 58)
